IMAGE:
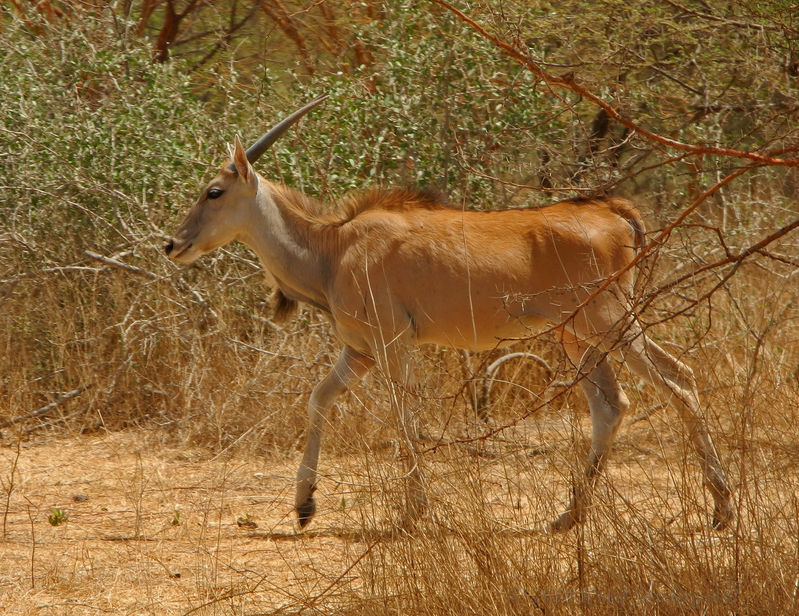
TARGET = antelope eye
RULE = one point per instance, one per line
(215, 193)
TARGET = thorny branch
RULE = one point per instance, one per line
(568, 82)
(736, 260)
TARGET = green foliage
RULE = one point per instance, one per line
(443, 107)
(439, 108)
(57, 516)
(93, 130)
(437, 105)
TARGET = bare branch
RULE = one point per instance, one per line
(130, 268)
(568, 82)
(733, 259)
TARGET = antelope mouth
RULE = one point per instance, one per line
(177, 255)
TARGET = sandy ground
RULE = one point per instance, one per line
(159, 530)
(153, 531)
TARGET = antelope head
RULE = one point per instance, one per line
(222, 213)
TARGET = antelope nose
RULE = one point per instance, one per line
(169, 246)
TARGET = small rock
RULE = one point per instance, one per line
(246, 522)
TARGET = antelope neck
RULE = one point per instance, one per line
(289, 247)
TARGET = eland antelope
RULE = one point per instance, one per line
(399, 269)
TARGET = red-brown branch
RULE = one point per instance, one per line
(735, 259)
(568, 82)
(278, 13)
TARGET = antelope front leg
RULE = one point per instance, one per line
(349, 369)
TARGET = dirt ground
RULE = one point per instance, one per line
(157, 530)
(152, 529)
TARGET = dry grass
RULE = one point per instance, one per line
(220, 424)
(197, 406)
(645, 549)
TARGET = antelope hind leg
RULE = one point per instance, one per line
(607, 403)
(675, 381)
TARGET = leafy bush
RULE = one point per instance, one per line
(94, 132)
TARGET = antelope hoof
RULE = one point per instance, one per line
(306, 511)
(410, 518)
(723, 513)
(565, 522)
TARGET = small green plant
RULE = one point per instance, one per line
(57, 516)
(176, 517)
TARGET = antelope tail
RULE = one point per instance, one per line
(627, 211)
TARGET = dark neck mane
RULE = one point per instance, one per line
(295, 203)
(390, 200)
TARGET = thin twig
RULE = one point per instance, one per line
(730, 22)
(656, 407)
(129, 268)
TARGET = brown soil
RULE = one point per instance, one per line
(153, 530)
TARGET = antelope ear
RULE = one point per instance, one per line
(240, 162)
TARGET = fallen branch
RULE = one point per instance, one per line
(48, 407)
(490, 378)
